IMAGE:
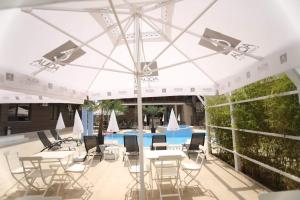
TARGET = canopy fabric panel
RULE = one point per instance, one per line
(73, 49)
(18, 97)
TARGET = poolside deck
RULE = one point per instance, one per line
(110, 178)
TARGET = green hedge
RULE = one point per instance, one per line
(220, 116)
(278, 115)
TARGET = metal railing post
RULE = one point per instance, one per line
(237, 164)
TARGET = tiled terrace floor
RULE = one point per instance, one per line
(110, 178)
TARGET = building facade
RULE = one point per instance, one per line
(190, 109)
(21, 118)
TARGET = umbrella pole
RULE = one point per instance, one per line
(139, 107)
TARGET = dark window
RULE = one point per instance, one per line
(71, 110)
(19, 112)
(55, 109)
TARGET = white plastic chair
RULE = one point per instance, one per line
(192, 169)
(168, 173)
(15, 166)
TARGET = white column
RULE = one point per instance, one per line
(206, 125)
(139, 106)
(236, 157)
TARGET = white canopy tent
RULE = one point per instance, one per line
(187, 47)
(144, 48)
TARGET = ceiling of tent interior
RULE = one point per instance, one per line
(73, 49)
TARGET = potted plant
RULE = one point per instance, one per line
(153, 111)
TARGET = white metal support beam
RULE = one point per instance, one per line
(121, 30)
(153, 26)
(188, 61)
(257, 98)
(159, 5)
(77, 39)
(280, 135)
(206, 123)
(110, 54)
(201, 100)
(89, 10)
(290, 176)
(205, 38)
(139, 106)
(183, 31)
(96, 68)
(294, 76)
(237, 162)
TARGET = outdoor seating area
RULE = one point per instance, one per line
(168, 173)
(150, 99)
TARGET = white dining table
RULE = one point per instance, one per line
(152, 155)
(59, 155)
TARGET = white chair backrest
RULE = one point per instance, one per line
(88, 162)
(171, 170)
(30, 163)
(12, 159)
(200, 158)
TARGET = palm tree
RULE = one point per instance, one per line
(106, 107)
(153, 111)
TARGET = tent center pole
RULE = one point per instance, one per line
(139, 105)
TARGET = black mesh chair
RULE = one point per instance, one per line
(56, 136)
(159, 139)
(91, 142)
(131, 145)
(197, 139)
(47, 143)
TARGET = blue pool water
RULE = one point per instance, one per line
(173, 137)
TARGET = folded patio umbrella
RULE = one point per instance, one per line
(145, 118)
(60, 122)
(173, 125)
(78, 127)
(178, 118)
(113, 124)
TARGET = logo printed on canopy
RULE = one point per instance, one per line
(218, 38)
(150, 72)
(60, 56)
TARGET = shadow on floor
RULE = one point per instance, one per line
(65, 193)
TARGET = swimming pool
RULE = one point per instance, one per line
(173, 137)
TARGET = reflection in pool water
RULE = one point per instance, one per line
(173, 137)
